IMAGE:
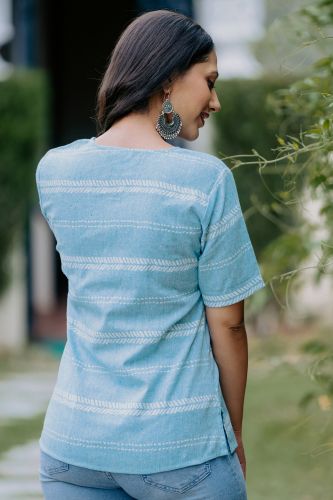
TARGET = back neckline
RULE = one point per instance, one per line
(92, 141)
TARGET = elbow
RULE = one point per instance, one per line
(228, 318)
(237, 328)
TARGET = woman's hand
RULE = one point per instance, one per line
(240, 452)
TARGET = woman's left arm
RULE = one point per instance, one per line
(230, 350)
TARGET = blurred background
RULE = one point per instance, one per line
(275, 132)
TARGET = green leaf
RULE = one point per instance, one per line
(325, 61)
(313, 131)
(319, 179)
(314, 347)
(326, 124)
(306, 399)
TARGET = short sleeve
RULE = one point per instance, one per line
(228, 269)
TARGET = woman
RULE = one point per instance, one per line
(149, 397)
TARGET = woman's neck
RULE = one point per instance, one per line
(133, 131)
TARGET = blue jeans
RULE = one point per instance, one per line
(219, 478)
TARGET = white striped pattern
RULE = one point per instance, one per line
(114, 299)
(128, 263)
(124, 185)
(135, 336)
(229, 260)
(128, 372)
(226, 223)
(250, 286)
(122, 223)
(90, 405)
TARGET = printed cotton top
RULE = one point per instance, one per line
(146, 239)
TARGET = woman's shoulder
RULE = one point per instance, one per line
(58, 156)
(69, 147)
(208, 170)
(203, 157)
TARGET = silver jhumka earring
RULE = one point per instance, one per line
(168, 130)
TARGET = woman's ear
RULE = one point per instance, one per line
(167, 86)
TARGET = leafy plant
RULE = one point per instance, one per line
(303, 159)
(23, 136)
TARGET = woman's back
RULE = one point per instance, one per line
(143, 253)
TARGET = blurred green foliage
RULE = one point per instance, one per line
(303, 159)
(312, 151)
(248, 124)
(288, 425)
(309, 152)
(23, 136)
(320, 371)
(295, 162)
(244, 124)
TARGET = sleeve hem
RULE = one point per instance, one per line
(233, 297)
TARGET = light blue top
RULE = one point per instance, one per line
(146, 238)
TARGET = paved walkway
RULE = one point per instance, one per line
(25, 390)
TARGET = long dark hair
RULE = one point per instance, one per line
(154, 48)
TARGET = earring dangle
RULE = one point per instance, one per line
(168, 130)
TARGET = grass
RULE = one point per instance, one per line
(19, 431)
(284, 442)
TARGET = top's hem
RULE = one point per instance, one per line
(220, 302)
(78, 463)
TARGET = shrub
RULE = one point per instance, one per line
(23, 136)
